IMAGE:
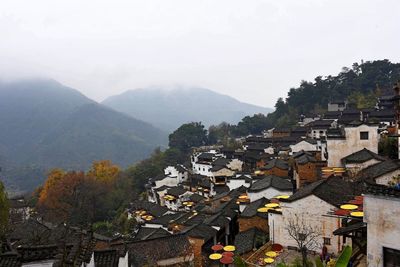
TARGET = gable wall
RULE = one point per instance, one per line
(313, 210)
(340, 148)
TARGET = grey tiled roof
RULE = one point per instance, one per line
(176, 191)
(166, 219)
(362, 156)
(152, 208)
(149, 252)
(202, 231)
(278, 163)
(371, 173)
(106, 258)
(10, 260)
(304, 157)
(381, 190)
(271, 181)
(247, 240)
(145, 233)
(333, 190)
(251, 209)
(221, 162)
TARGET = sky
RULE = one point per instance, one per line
(253, 50)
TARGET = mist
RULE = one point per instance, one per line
(254, 51)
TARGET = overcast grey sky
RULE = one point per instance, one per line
(253, 50)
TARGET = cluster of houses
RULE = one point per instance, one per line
(322, 181)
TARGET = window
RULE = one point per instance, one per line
(391, 257)
(364, 135)
(327, 241)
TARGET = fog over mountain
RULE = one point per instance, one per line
(45, 125)
(168, 108)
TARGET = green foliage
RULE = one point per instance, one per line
(360, 100)
(239, 262)
(318, 262)
(252, 125)
(344, 257)
(361, 83)
(4, 211)
(139, 173)
(103, 228)
(48, 125)
(187, 136)
(123, 224)
(387, 146)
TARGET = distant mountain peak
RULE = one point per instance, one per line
(169, 107)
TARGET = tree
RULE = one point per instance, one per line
(387, 146)
(187, 136)
(4, 211)
(66, 198)
(104, 171)
(252, 125)
(304, 234)
(364, 79)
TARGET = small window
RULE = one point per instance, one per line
(391, 257)
(364, 135)
(321, 132)
(327, 241)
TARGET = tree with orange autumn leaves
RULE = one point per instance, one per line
(78, 197)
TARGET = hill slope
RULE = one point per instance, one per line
(368, 78)
(168, 109)
(46, 125)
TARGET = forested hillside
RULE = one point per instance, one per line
(45, 125)
(356, 83)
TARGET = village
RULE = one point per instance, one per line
(289, 194)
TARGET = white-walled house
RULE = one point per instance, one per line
(382, 215)
(239, 180)
(173, 176)
(304, 145)
(269, 187)
(319, 128)
(338, 105)
(381, 173)
(311, 204)
(177, 194)
(349, 139)
(202, 162)
(178, 171)
(360, 160)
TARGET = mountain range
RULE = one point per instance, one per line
(44, 125)
(168, 109)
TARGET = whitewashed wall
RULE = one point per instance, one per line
(382, 215)
(340, 148)
(314, 211)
